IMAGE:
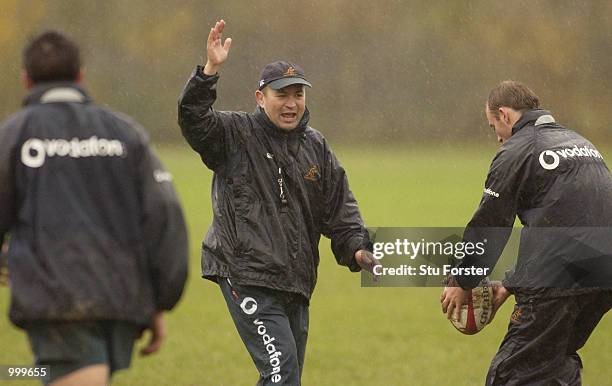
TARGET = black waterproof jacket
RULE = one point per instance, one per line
(558, 184)
(96, 231)
(260, 235)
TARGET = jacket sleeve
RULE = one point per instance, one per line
(208, 131)
(342, 222)
(504, 188)
(9, 132)
(164, 231)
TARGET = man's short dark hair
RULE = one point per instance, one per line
(51, 56)
(513, 94)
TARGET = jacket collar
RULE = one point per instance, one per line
(50, 92)
(272, 129)
(533, 117)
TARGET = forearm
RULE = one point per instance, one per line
(201, 125)
(165, 233)
(346, 243)
(169, 256)
(3, 262)
(345, 227)
(493, 240)
(196, 100)
(8, 138)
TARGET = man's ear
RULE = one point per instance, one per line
(25, 80)
(504, 115)
(259, 98)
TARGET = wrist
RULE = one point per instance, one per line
(210, 69)
(504, 292)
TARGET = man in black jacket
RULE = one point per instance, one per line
(558, 185)
(277, 187)
(98, 244)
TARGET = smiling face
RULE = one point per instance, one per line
(285, 107)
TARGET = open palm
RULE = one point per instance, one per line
(216, 50)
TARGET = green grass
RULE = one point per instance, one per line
(358, 336)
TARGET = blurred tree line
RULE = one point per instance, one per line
(400, 72)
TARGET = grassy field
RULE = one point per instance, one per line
(358, 336)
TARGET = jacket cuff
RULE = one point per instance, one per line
(353, 265)
(467, 282)
(200, 75)
(363, 243)
(507, 285)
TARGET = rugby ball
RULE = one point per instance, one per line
(478, 311)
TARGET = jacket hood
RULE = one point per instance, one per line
(50, 92)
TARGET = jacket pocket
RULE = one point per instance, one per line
(243, 195)
(260, 242)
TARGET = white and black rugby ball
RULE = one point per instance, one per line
(478, 311)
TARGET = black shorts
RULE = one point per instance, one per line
(69, 346)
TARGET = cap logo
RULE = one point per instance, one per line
(261, 82)
(290, 72)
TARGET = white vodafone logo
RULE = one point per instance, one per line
(33, 153)
(549, 159)
(544, 161)
(248, 305)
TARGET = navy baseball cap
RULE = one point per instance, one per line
(282, 74)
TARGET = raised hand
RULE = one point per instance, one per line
(216, 50)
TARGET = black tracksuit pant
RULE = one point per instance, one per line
(274, 328)
(544, 335)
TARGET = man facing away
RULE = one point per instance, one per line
(559, 186)
(98, 244)
(277, 187)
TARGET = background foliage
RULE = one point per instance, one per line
(384, 71)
